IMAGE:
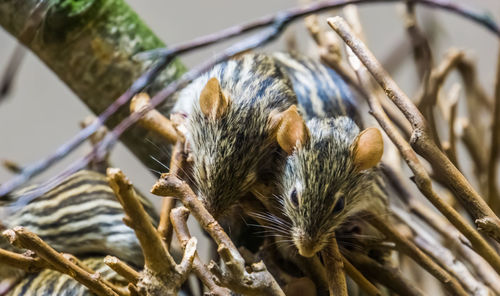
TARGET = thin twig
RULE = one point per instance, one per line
(493, 195)
(408, 248)
(153, 120)
(161, 274)
(441, 255)
(363, 283)
(390, 277)
(485, 218)
(249, 280)
(179, 218)
(122, 269)
(22, 261)
(334, 269)
(423, 180)
(27, 240)
(453, 238)
(155, 256)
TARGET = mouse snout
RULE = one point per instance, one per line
(306, 245)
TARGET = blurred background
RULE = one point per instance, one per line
(41, 113)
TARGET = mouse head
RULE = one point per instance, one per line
(232, 145)
(327, 177)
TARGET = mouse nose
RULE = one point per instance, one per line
(306, 246)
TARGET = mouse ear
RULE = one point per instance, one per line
(291, 131)
(367, 149)
(213, 103)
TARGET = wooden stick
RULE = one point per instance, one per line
(179, 218)
(335, 269)
(486, 220)
(360, 279)
(408, 248)
(122, 269)
(252, 280)
(388, 276)
(21, 237)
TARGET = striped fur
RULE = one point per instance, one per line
(81, 216)
(50, 282)
(320, 91)
(233, 152)
(322, 171)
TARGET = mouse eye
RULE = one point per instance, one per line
(294, 198)
(339, 206)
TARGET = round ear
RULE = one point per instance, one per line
(292, 131)
(213, 103)
(367, 149)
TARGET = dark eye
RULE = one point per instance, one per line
(339, 206)
(294, 198)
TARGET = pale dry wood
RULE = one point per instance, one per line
(440, 254)
(153, 120)
(249, 280)
(421, 140)
(493, 194)
(391, 277)
(179, 218)
(22, 238)
(122, 269)
(161, 275)
(422, 178)
(334, 269)
(407, 247)
(452, 237)
(22, 261)
(363, 283)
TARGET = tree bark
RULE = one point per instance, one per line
(89, 44)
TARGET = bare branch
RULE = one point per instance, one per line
(485, 219)
(153, 120)
(255, 280)
(360, 279)
(179, 218)
(493, 194)
(27, 240)
(408, 248)
(122, 269)
(388, 276)
(22, 261)
(335, 269)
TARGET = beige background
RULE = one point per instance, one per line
(42, 112)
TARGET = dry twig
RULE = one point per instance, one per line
(360, 279)
(250, 280)
(334, 269)
(408, 248)
(485, 219)
(161, 275)
(390, 277)
(179, 218)
(422, 178)
(122, 269)
(442, 255)
(493, 195)
(22, 238)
